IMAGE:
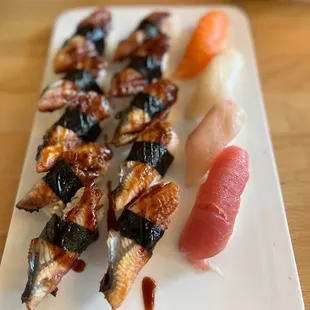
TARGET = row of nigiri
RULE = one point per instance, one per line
(211, 221)
(73, 228)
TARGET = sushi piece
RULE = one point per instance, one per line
(56, 250)
(151, 26)
(74, 170)
(137, 232)
(79, 53)
(153, 103)
(206, 42)
(66, 89)
(148, 161)
(83, 49)
(69, 95)
(96, 27)
(221, 124)
(79, 123)
(211, 221)
(57, 95)
(146, 65)
(216, 84)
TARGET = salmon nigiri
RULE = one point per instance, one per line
(220, 125)
(206, 42)
(217, 83)
(212, 219)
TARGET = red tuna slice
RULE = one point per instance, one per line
(211, 222)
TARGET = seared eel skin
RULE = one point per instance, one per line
(131, 245)
(76, 169)
(150, 26)
(153, 103)
(78, 124)
(83, 49)
(136, 175)
(57, 249)
(146, 66)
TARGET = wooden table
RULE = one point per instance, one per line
(281, 33)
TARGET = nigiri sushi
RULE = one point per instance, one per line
(154, 102)
(83, 49)
(220, 125)
(146, 65)
(206, 42)
(151, 26)
(59, 245)
(96, 27)
(216, 83)
(80, 122)
(78, 53)
(70, 95)
(211, 221)
(137, 232)
(149, 159)
(74, 170)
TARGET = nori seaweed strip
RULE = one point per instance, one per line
(93, 34)
(149, 29)
(63, 181)
(68, 235)
(148, 66)
(148, 103)
(151, 153)
(84, 80)
(84, 125)
(135, 227)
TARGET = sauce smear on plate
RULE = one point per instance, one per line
(79, 266)
(148, 289)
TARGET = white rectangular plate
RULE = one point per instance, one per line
(258, 263)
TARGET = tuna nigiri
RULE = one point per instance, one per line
(220, 125)
(216, 84)
(206, 41)
(212, 219)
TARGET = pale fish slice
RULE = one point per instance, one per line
(217, 83)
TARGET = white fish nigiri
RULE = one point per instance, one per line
(220, 125)
(217, 83)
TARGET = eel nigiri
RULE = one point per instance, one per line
(58, 247)
(211, 221)
(146, 65)
(96, 27)
(137, 232)
(216, 84)
(154, 102)
(148, 161)
(83, 49)
(79, 123)
(74, 170)
(220, 125)
(75, 55)
(151, 26)
(206, 41)
(69, 95)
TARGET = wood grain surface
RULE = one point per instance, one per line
(281, 34)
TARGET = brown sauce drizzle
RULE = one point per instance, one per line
(111, 218)
(148, 289)
(79, 266)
